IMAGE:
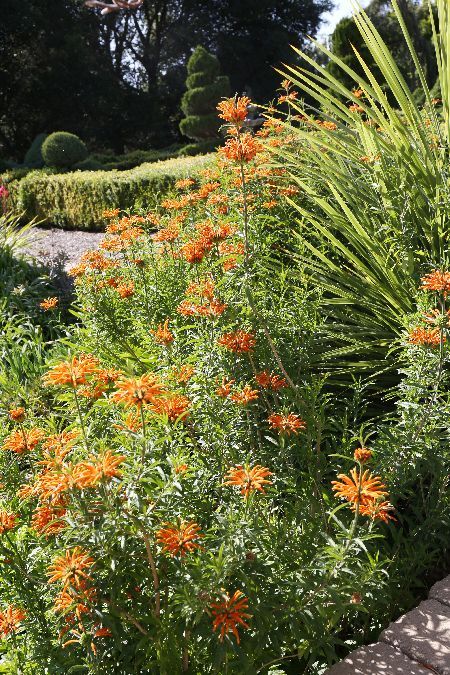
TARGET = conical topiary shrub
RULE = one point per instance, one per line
(205, 88)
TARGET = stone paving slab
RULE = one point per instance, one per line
(441, 591)
(378, 659)
(424, 635)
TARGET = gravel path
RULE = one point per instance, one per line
(62, 248)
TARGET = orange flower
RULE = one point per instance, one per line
(242, 149)
(229, 613)
(51, 485)
(184, 183)
(49, 303)
(427, 337)
(245, 396)
(162, 334)
(8, 521)
(47, 520)
(61, 443)
(331, 126)
(75, 601)
(10, 620)
(184, 373)
(170, 233)
(270, 381)
(17, 414)
(359, 488)
(175, 406)
(179, 539)
(110, 213)
(286, 424)
(181, 468)
(70, 567)
(224, 389)
(249, 480)
(194, 251)
(234, 110)
(92, 472)
(23, 440)
(377, 510)
(133, 422)
(73, 372)
(238, 342)
(436, 281)
(362, 455)
(136, 391)
(357, 93)
(125, 289)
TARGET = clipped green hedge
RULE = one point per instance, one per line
(76, 200)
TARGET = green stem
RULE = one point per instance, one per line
(80, 417)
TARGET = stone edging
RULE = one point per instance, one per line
(416, 644)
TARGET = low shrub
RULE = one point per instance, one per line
(201, 148)
(77, 200)
(135, 158)
(62, 150)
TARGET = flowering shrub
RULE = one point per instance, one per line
(171, 505)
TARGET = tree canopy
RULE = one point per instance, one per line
(117, 80)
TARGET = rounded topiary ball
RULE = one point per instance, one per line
(62, 150)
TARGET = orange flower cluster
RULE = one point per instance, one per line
(234, 110)
(359, 488)
(224, 389)
(183, 374)
(365, 491)
(241, 149)
(8, 521)
(70, 569)
(48, 520)
(200, 300)
(229, 613)
(437, 281)
(23, 440)
(137, 391)
(72, 373)
(245, 396)
(162, 334)
(270, 381)
(17, 414)
(362, 455)
(286, 424)
(184, 183)
(179, 539)
(230, 252)
(173, 406)
(10, 619)
(239, 342)
(167, 234)
(48, 304)
(90, 473)
(248, 479)
(426, 337)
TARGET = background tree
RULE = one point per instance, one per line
(416, 17)
(116, 80)
(205, 88)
